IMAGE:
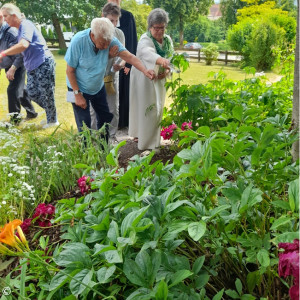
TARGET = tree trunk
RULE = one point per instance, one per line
(181, 32)
(295, 115)
(60, 36)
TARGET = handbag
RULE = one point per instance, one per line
(109, 85)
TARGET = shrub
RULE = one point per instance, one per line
(211, 53)
(62, 51)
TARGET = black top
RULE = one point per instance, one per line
(127, 25)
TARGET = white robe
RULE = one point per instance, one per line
(146, 99)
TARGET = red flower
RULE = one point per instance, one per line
(289, 265)
(25, 225)
(84, 183)
(186, 126)
(167, 132)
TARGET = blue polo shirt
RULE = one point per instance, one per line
(37, 51)
(90, 66)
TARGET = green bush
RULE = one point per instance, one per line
(211, 53)
(62, 51)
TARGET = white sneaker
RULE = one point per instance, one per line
(48, 125)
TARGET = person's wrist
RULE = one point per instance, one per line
(13, 67)
(2, 54)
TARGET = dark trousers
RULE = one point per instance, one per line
(101, 108)
(17, 94)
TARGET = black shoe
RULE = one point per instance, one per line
(31, 116)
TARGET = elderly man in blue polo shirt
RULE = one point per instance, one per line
(87, 58)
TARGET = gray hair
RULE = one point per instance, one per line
(102, 27)
(157, 16)
(111, 8)
(12, 9)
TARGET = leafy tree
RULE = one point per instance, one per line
(260, 30)
(204, 30)
(182, 11)
(140, 13)
(229, 10)
(55, 12)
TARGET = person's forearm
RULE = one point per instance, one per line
(72, 77)
(133, 60)
(16, 49)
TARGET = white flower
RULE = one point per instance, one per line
(3, 202)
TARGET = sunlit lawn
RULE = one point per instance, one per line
(197, 73)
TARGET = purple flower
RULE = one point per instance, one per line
(25, 225)
(289, 265)
(186, 126)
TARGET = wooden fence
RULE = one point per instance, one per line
(226, 56)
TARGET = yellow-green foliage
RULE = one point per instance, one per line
(260, 31)
(140, 13)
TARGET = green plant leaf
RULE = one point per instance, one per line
(252, 279)
(132, 219)
(134, 273)
(104, 274)
(196, 230)
(239, 286)
(162, 291)
(233, 294)
(202, 280)
(263, 257)
(247, 297)
(237, 112)
(113, 231)
(179, 276)
(198, 264)
(294, 195)
(283, 220)
(113, 256)
(219, 295)
(80, 280)
(74, 253)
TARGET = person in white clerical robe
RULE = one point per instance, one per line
(147, 97)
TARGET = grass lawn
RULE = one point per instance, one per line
(197, 73)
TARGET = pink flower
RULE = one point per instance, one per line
(84, 184)
(289, 265)
(186, 126)
(166, 133)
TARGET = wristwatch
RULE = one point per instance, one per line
(76, 92)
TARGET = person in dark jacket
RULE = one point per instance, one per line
(127, 25)
(15, 73)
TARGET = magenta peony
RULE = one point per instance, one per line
(289, 265)
(186, 126)
(84, 183)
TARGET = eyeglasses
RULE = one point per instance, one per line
(157, 28)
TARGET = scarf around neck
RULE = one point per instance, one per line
(166, 50)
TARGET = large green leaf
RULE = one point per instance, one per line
(132, 219)
(104, 274)
(198, 264)
(250, 197)
(113, 231)
(80, 281)
(134, 273)
(74, 253)
(283, 220)
(294, 195)
(219, 295)
(196, 230)
(179, 276)
(162, 291)
(263, 257)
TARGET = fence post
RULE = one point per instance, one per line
(226, 56)
(199, 50)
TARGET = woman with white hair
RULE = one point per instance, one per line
(38, 61)
(147, 99)
(87, 59)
